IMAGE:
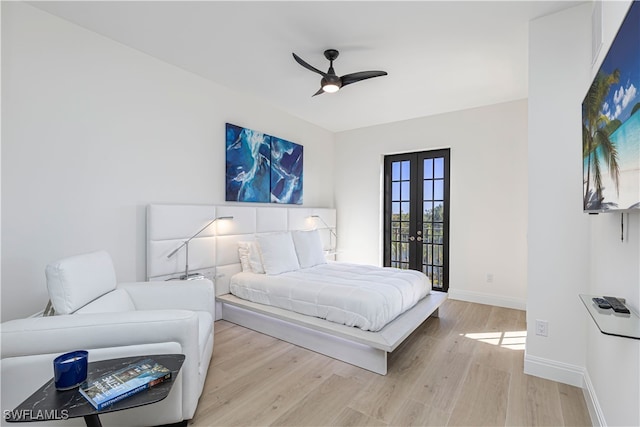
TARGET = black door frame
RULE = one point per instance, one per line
(416, 197)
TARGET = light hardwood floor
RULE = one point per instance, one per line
(464, 368)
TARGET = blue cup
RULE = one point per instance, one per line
(70, 369)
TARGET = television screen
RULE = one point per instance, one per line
(611, 125)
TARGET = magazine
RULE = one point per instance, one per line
(115, 386)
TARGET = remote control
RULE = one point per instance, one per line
(617, 305)
(602, 303)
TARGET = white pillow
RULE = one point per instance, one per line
(250, 259)
(278, 253)
(309, 248)
(243, 254)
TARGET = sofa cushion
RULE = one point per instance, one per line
(112, 302)
(75, 281)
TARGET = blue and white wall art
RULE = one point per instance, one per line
(248, 165)
(286, 171)
(262, 168)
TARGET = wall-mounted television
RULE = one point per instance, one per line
(611, 125)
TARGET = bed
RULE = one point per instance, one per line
(338, 332)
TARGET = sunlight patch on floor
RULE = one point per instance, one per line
(513, 340)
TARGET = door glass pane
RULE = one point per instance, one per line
(404, 252)
(428, 212)
(406, 195)
(437, 233)
(428, 189)
(437, 254)
(438, 189)
(395, 171)
(426, 231)
(405, 171)
(438, 211)
(404, 232)
(429, 272)
(428, 169)
(437, 277)
(395, 232)
(395, 210)
(395, 191)
(438, 167)
(405, 211)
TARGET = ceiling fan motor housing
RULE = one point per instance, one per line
(331, 54)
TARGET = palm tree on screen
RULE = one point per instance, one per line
(596, 130)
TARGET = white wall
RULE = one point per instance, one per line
(557, 230)
(488, 195)
(0, 171)
(571, 252)
(94, 131)
(613, 364)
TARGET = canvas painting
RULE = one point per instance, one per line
(262, 168)
(248, 168)
(611, 124)
(286, 171)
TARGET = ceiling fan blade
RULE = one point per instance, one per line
(319, 92)
(307, 66)
(347, 79)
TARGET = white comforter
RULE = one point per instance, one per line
(365, 296)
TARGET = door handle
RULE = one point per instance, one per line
(412, 238)
(419, 239)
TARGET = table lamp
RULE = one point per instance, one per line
(332, 248)
(193, 276)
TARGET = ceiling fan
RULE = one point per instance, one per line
(330, 82)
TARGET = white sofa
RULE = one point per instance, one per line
(112, 320)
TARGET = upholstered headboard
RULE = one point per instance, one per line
(214, 253)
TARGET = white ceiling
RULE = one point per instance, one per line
(440, 55)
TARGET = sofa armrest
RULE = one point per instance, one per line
(196, 295)
(59, 334)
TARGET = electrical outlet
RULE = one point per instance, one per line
(542, 328)
(489, 277)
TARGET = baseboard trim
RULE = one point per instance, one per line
(595, 411)
(567, 374)
(554, 370)
(489, 299)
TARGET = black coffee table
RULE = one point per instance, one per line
(49, 404)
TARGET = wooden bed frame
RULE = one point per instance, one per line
(214, 254)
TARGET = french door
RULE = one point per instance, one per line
(416, 214)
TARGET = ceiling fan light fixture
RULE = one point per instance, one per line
(330, 83)
(330, 87)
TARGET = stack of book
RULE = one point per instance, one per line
(115, 386)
